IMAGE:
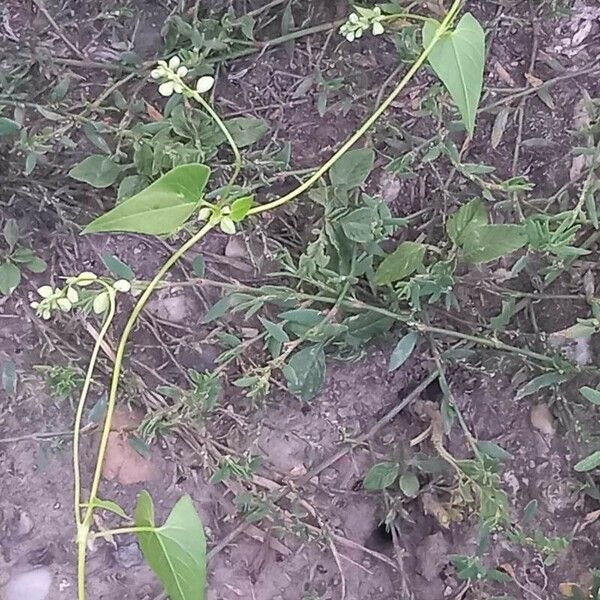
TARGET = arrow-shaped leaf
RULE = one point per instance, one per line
(159, 209)
(176, 551)
(458, 59)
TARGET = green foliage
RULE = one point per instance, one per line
(590, 394)
(589, 463)
(381, 476)
(403, 262)
(353, 168)
(14, 257)
(541, 382)
(176, 550)
(458, 59)
(403, 350)
(96, 170)
(305, 372)
(161, 208)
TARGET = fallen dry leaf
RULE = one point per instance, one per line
(122, 462)
(504, 75)
(153, 113)
(534, 81)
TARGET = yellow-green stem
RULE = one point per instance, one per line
(444, 25)
(84, 392)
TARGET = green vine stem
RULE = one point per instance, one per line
(83, 397)
(83, 531)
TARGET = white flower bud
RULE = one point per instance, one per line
(122, 285)
(166, 88)
(227, 225)
(378, 28)
(64, 304)
(205, 84)
(45, 291)
(174, 63)
(72, 295)
(182, 71)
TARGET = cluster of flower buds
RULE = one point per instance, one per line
(63, 299)
(364, 19)
(171, 75)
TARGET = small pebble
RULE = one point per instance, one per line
(542, 419)
(31, 585)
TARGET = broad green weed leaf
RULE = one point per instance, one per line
(493, 450)
(246, 130)
(465, 220)
(36, 265)
(541, 382)
(590, 394)
(10, 277)
(275, 331)
(403, 262)
(491, 242)
(381, 476)
(117, 267)
(409, 485)
(8, 126)
(589, 463)
(305, 372)
(176, 551)
(98, 171)
(458, 59)
(353, 168)
(403, 350)
(11, 232)
(161, 208)
(359, 224)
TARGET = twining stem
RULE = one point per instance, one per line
(112, 397)
(445, 24)
(83, 529)
(84, 392)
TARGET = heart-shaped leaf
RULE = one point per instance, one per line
(458, 59)
(159, 209)
(176, 551)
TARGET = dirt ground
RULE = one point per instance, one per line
(322, 535)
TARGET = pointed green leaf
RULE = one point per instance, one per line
(305, 372)
(240, 208)
(353, 168)
(493, 450)
(590, 394)
(540, 382)
(11, 232)
(176, 551)
(465, 220)
(409, 485)
(589, 463)
(381, 476)
(458, 59)
(117, 267)
(159, 209)
(275, 331)
(10, 277)
(403, 262)
(98, 171)
(8, 126)
(108, 505)
(491, 242)
(403, 350)
(246, 130)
